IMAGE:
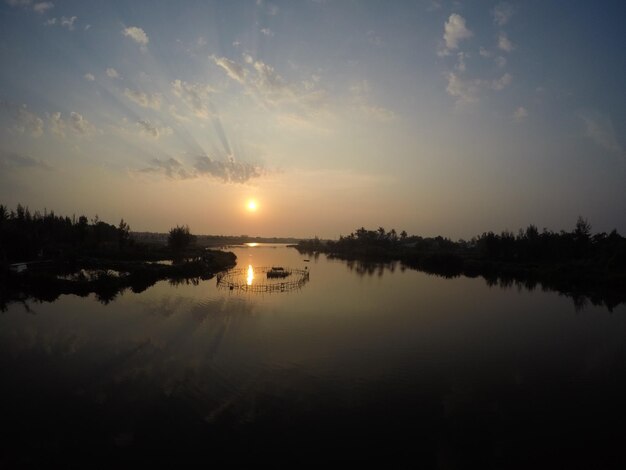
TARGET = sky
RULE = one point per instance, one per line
(436, 117)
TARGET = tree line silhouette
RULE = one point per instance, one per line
(528, 245)
(75, 255)
(576, 263)
(26, 236)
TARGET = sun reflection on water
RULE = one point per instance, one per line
(250, 276)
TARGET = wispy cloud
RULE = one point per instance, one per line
(37, 7)
(504, 43)
(25, 121)
(361, 97)
(520, 114)
(267, 32)
(64, 21)
(150, 130)
(502, 82)
(599, 128)
(68, 22)
(170, 167)
(229, 171)
(42, 7)
(502, 13)
(146, 100)
(465, 91)
(233, 69)
(89, 77)
(195, 96)
(76, 123)
(226, 171)
(112, 73)
(15, 160)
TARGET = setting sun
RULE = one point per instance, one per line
(252, 205)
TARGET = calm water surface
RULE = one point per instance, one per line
(361, 365)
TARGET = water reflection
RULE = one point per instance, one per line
(373, 369)
(370, 268)
(250, 275)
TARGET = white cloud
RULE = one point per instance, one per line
(520, 114)
(138, 35)
(56, 124)
(148, 129)
(112, 73)
(65, 22)
(233, 69)
(455, 31)
(484, 52)
(500, 61)
(466, 91)
(267, 32)
(361, 92)
(502, 13)
(599, 128)
(460, 65)
(89, 77)
(68, 22)
(171, 167)
(42, 7)
(194, 95)
(504, 43)
(76, 123)
(145, 100)
(25, 120)
(79, 124)
(29, 122)
(502, 82)
(228, 171)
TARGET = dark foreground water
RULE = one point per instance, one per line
(362, 365)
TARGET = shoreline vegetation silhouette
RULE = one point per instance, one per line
(43, 256)
(587, 267)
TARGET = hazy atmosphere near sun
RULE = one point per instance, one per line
(434, 117)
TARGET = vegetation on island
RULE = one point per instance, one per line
(44, 255)
(577, 263)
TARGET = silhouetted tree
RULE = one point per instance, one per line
(179, 238)
(123, 234)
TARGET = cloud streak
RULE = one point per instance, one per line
(10, 160)
(145, 100)
(599, 128)
(24, 120)
(226, 171)
(195, 96)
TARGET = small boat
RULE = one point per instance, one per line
(277, 272)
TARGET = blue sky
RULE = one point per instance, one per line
(437, 117)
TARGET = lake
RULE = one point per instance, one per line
(357, 364)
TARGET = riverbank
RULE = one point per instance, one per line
(592, 270)
(106, 277)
